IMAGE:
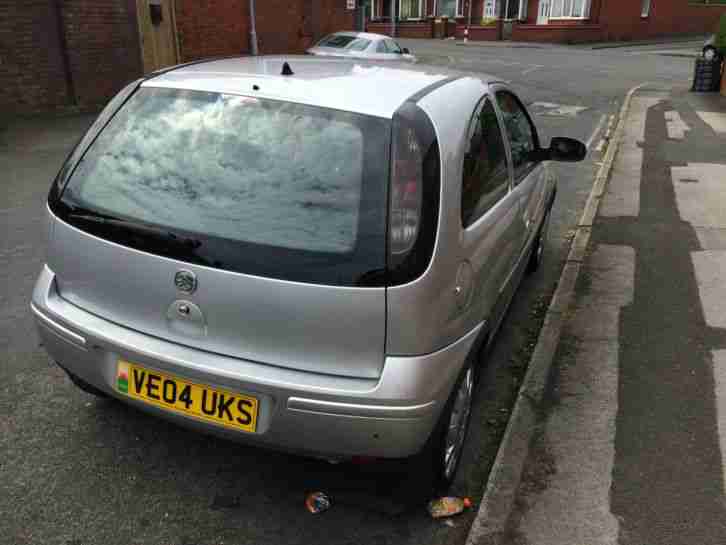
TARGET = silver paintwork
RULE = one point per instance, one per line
(369, 53)
(362, 371)
(353, 86)
(245, 316)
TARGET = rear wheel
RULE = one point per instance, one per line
(441, 455)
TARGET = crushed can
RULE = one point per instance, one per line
(447, 506)
(317, 502)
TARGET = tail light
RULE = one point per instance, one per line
(414, 194)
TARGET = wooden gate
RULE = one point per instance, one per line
(157, 31)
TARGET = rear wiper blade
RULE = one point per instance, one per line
(139, 228)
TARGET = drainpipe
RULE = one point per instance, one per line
(393, 18)
(468, 21)
(253, 30)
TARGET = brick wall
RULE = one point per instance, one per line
(555, 33)
(221, 27)
(622, 20)
(212, 28)
(102, 53)
(103, 47)
(31, 66)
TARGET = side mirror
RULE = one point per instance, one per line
(406, 51)
(566, 150)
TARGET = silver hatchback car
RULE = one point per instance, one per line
(305, 255)
(361, 45)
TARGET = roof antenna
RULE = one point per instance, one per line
(286, 70)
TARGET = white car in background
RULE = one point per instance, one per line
(361, 45)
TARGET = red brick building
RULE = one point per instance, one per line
(59, 54)
(566, 21)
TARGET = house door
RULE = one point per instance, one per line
(157, 31)
(543, 14)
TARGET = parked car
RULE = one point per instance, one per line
(309, 262)
(361, 45)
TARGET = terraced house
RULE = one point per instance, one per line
(566, 21)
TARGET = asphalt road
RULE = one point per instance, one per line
(75, 470)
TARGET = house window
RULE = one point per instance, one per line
(410, 9)
(451, 8)
(513, 9)
(645, 8)
(380, 9)
(572, 9)
(491, 9)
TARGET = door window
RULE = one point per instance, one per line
(521, 133)
(392, 47)
(485, 175)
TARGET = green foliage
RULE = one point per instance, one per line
(721, 36)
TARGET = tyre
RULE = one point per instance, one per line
(537, 256)
(83, 385)
(441, 455)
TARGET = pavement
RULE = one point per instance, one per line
(630, 435)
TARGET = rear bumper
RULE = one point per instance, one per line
(310, 413)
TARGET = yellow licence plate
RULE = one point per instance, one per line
(228, 409)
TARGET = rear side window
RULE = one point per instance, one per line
(485, 175)
(339, 41)
(265, 187)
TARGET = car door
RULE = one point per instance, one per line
(490, 217)
(529, 174)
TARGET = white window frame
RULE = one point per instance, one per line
(560, 3)
(459, 8)
(420, 12)
(496, 10)
(645, 9)
(521, 11)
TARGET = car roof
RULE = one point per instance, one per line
(354, 85)
(366, 35)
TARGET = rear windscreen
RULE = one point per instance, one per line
(302, 186)
(341, 41)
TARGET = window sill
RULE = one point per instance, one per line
(569, 18)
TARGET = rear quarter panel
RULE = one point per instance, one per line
(423, 315)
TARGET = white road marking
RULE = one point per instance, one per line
(580, 431)
(550, 108)
(710, 269)
(622, 197)
(719, 375)
(675, 126)
(703, 204)
(599, 126)
(716, 120)
(534, 67)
